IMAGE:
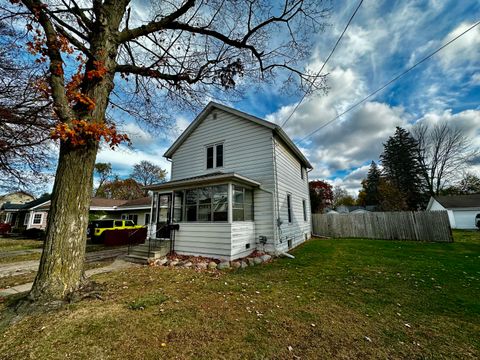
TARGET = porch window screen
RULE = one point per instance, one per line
(207, 204)
(178, 207)
(242, 204)
(191, 200)
(27, 219)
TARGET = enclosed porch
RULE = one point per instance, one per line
(211, 216)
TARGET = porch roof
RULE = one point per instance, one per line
(213, 178)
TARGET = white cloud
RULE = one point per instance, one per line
(123, 158)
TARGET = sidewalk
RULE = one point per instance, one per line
(25, 267)
(118, 264)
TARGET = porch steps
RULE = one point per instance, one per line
(139, 253)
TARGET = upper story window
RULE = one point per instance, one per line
(214, 156)
(301, 172)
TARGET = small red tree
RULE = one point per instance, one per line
(321, 195)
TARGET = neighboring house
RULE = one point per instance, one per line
(354, 209)
(238, 183)
(461, 209)
(14, 198)
(34, 214)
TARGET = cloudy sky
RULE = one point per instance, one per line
(385, 38)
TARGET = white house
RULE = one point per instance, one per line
(462, 209)
(238, 183)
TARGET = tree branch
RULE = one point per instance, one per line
(130, 34)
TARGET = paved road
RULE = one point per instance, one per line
(25, 267)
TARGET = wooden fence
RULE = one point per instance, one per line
(420, 226)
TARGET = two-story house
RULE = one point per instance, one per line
(238, 183)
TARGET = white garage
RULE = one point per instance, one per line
(462, 209)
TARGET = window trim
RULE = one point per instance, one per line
(26, 221)
(289, 207)
(304, 203)
(41, 219)
(214, 146)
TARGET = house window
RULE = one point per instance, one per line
(219, 155)
(210, 157)
(304, 210)
(214, 156)
(147, 219)
(27, 218)
(289, 207)
(207, 204)
(301, 172)
(242, 204)
(133, 217)
(37, 219)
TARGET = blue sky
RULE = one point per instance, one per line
(384, 39)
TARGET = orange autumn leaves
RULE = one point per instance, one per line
(79, 131)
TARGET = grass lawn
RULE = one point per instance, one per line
(8, 244)
(349, 299)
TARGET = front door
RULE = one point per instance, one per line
(164, 216)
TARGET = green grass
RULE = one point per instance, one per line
(412, 300)
(7, 244)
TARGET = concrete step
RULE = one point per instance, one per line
(136, 259)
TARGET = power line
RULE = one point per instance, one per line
(325, 62)
(389, 82)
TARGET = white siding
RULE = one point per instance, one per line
(243, 233)
(247, 151)
(465, 219)
(204, 239)
(289, 181)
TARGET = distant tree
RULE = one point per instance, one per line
(390, 197)
(321, 195)
(342, 197)
(147, 173)
(362, 195)
(371, 184)
(25, 118)
(402, 167)
(443, 152)
(469, 184)
(122, 189)
(104, 172)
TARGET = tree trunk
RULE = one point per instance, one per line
(62, 261)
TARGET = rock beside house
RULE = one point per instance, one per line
(200, 263)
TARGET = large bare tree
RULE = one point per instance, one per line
(25, 117)
(444, 153)
(104, 53)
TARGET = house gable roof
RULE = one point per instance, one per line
(213, 105)
(459, 201)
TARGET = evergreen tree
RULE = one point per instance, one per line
(402, 168)
(371, 185)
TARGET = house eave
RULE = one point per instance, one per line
(227, 177)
